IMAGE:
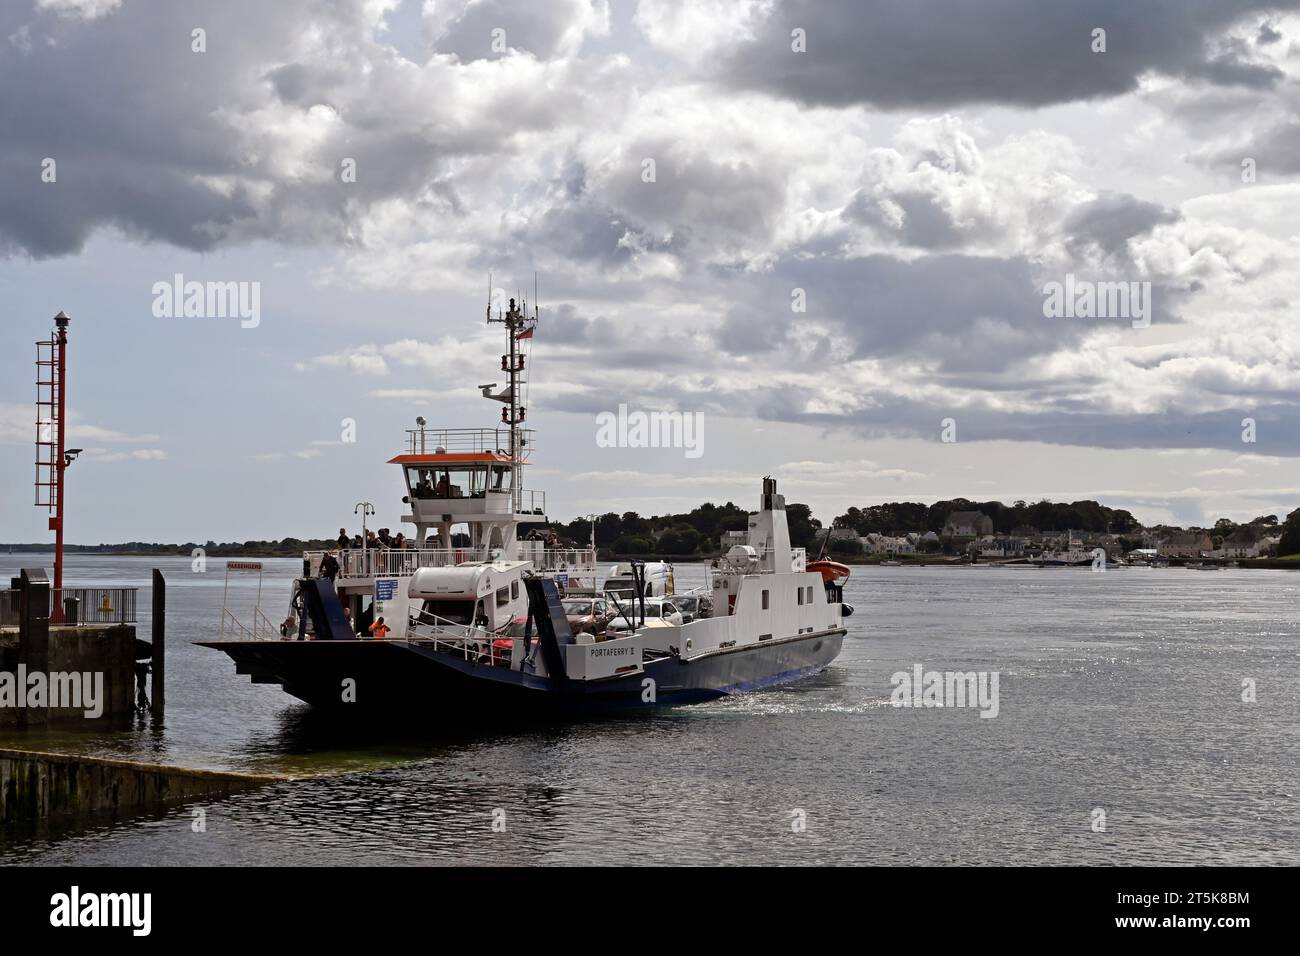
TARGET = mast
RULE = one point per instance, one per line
(517, 326)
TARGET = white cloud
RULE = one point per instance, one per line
(79, 9)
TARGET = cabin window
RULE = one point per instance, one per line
(503, 597)
(447, 481)
(799, 595)
(502, 479)
(514, 589)
(765, 593)
(809, 599)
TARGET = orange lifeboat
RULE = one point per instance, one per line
(831, 571)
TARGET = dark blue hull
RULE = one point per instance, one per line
(396, 675)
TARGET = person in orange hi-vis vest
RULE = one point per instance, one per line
(379, 628)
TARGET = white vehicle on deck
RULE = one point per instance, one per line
(658, 612)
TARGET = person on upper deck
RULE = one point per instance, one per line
(343, 538)
(329, 566)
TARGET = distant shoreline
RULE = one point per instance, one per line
(1289, 563)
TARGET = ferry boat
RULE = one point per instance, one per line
(1074, 555)
(477, 621)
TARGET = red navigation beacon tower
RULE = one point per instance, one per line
(52, 457)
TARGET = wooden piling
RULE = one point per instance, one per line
(159, 633)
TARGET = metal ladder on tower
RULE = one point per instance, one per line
(48, 387)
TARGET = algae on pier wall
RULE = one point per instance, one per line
(36, 785)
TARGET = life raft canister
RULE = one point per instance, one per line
(830, 571)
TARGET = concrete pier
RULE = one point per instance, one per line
(89, 648)
(36, 786)
(102, 658)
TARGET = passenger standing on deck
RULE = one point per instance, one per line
(379, 629)
(329, 566)
(343, 538)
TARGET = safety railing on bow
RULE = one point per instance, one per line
(475, 644)
(233, 629)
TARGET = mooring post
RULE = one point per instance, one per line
(34, 638)
(159, 635)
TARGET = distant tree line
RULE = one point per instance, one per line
(900, 517)
(694, 532)
(699, 531)
(1290, 543)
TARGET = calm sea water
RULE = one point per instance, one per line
(1119, 691)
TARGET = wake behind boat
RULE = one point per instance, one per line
(480, 623)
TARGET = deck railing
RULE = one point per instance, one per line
(429, 441)
(232, 629)
(476, 644)
(385, 562)
(93, 605)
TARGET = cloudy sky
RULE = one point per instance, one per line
(825, 226)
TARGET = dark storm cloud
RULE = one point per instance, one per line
(1111, 220)
(1082, 426)
(1058, 418)
(123, 106)
(1267, 34)
(936, 53)
(244, 141)
(951, 311)
(537, 27)
(925, 223)
(1276, 150)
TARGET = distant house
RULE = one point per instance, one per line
(1025, 532)
(967, 524)
(1250, 541)
(1184, 544)
(732, 538)
(1000, 547)
(884, 544)
(838, 536)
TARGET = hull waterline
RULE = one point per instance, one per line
(413, 677)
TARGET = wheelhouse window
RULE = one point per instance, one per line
(447, 481)
(501, 479)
